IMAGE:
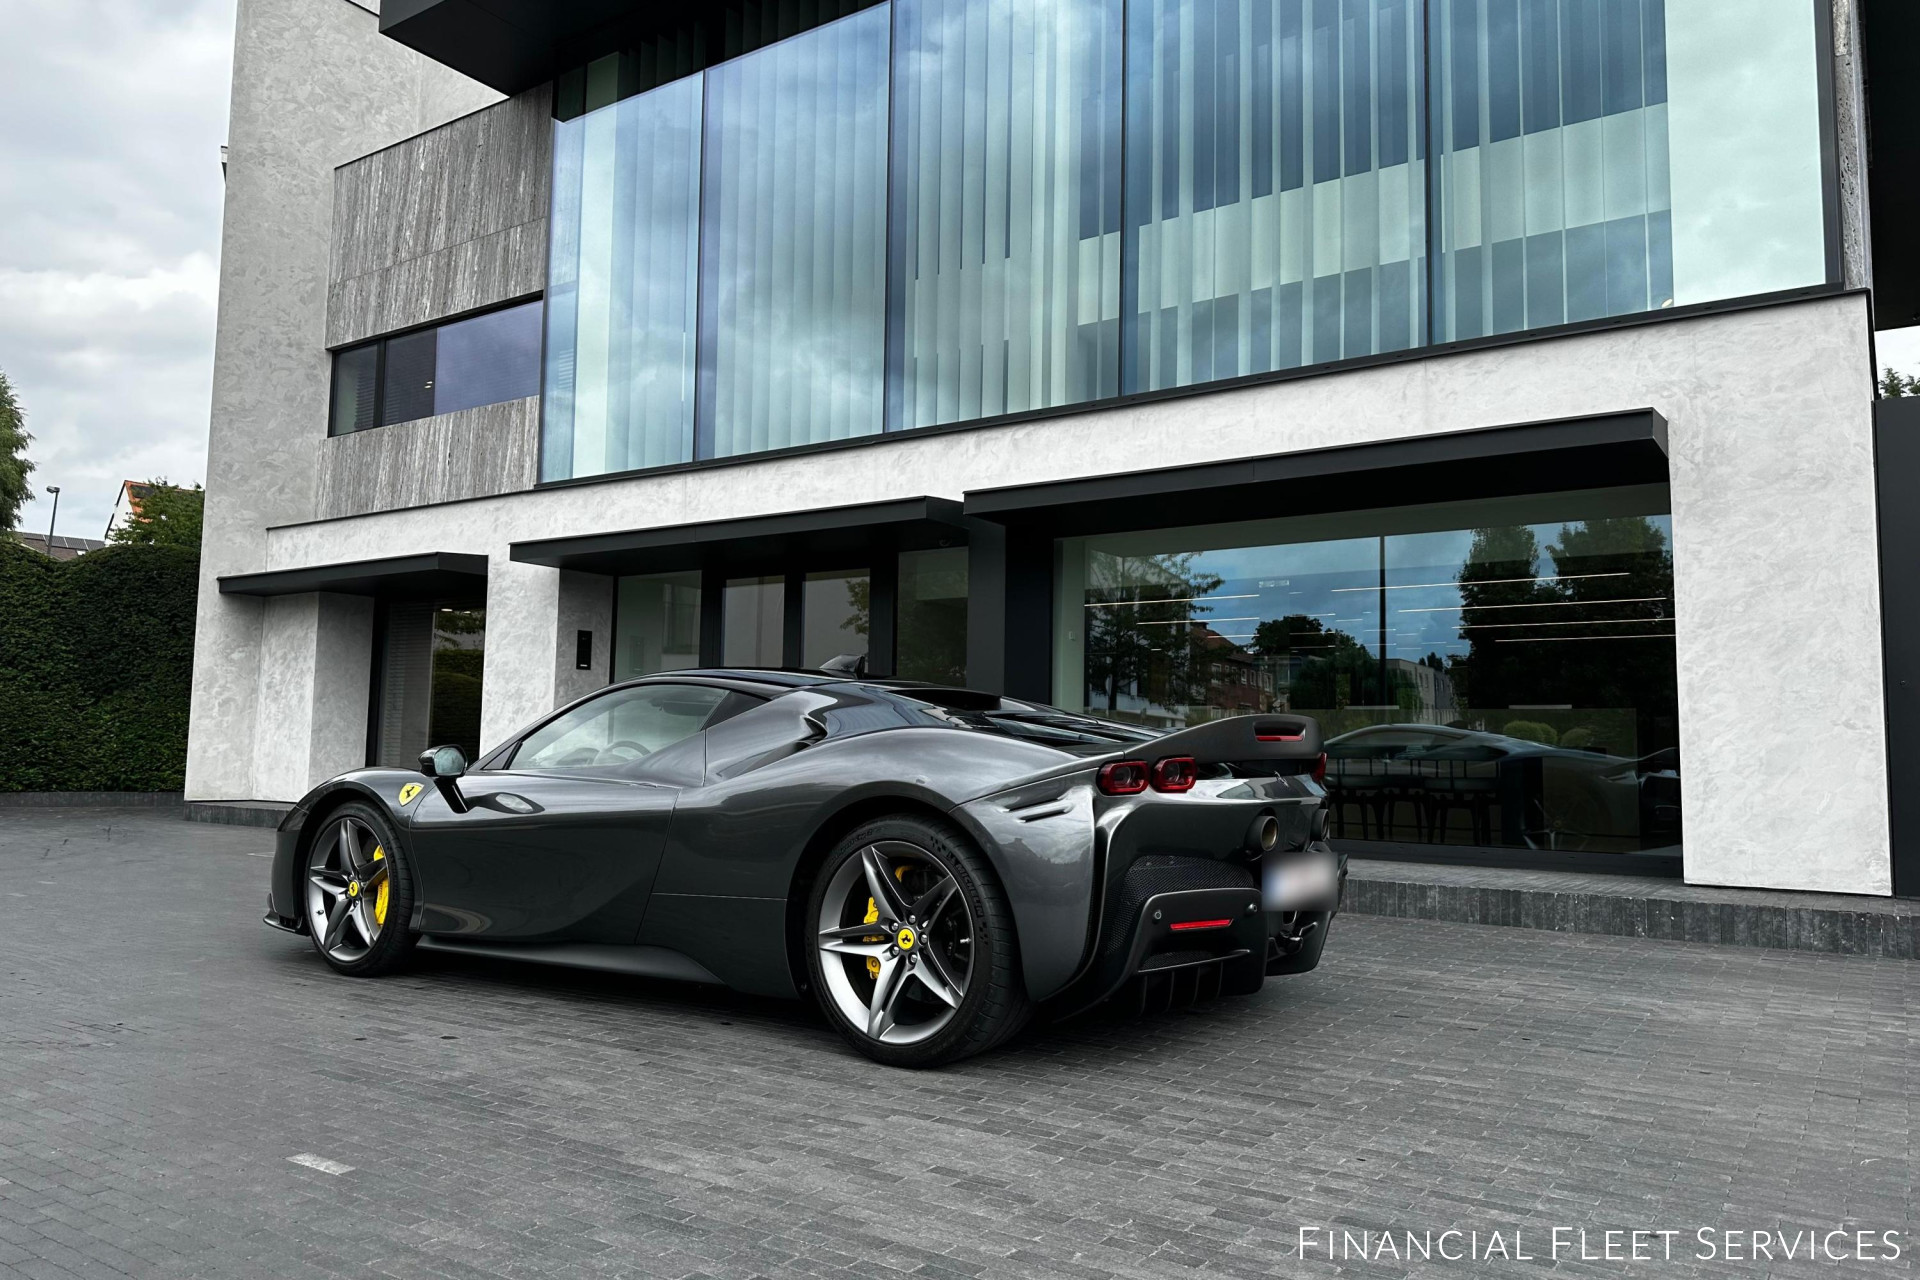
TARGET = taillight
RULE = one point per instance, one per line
(1175, 773)
(1187, 926)
(1123, 777)
(1320, 768)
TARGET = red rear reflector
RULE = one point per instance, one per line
(1123, 777)
(1182, 926)
(1320, 768)
(1175, 773)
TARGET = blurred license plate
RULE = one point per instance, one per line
(1299, 880)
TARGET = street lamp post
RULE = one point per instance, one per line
(53, 489)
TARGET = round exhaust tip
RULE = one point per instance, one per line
(1266, 833)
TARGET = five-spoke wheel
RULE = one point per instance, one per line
(913, 949)
(355, 893)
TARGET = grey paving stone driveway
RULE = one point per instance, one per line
(163, 1056)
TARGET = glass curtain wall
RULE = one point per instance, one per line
(836, 616)
(930, 608)
(1497, 673)
(1009, 205)
(793, 242)
(1005, 248)
(621, 291)
(1275, 185)
(1606, 157)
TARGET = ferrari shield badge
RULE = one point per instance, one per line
(408, 792)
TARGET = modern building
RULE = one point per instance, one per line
(1490, 378)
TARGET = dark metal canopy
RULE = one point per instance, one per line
(514, 45)
(437, 575)
(1583, 453)
(817, 538)
(1890, 33)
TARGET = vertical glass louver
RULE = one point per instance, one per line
(1005, 254)
(1274, 185)
(621, 286)
(938, 211)
(793, 242)
(1607, 157)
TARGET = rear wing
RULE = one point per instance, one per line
(1236, 739)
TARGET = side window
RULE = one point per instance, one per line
(620, 727)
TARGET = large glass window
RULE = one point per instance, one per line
(1498, 674)
(931, 613)
(1605, 157)
(837, 611)
(793, 242)
(1010, 205)
(1274, 185)
(485, 359)
(753, 617)
(1005, 260)
(622, 280)
(429, 680)
(656, 624)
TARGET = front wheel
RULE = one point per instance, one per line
(359, 893)
(914, 954)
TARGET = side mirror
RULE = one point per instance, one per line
(446, 766)
(443, 762)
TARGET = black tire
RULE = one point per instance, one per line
(393, 940)
(995, 1004)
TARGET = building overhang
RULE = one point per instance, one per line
(513, 45)
(817, 538)
(1595, 452)
(437, 575)
(1889, 33)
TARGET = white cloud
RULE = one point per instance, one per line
(109, 246)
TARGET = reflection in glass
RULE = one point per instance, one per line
(931, 627)
(429, 676)
(1274, 186)
(753, 622)
(656, 624)
(1606, 157)
(488, 359)
(1497, 673)
(793, 241)
(836, 613)
(621, 286)
(1006, 207)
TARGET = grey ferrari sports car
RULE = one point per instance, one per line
(930, 864)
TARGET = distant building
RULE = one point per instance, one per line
(64, 548)
(126, 505)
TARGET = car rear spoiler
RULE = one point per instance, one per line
(1272, 736)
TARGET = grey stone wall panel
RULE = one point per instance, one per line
(444, 223)
(473, 453)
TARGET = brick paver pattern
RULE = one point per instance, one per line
(163, 1057)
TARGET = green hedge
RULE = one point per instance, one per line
(96, 668)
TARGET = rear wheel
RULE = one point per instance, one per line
(359, 893)
(914, 955)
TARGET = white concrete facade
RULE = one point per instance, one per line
(1769, 408)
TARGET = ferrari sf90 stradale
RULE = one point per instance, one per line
(930, 864)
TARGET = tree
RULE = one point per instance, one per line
(1893, 385)
(165, 515)
(15, 466)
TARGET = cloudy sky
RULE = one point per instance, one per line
(114, 112)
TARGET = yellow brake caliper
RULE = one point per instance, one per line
(380, 894)
(872, 917)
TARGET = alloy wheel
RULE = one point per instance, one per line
(347, 890)
(896, 941)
